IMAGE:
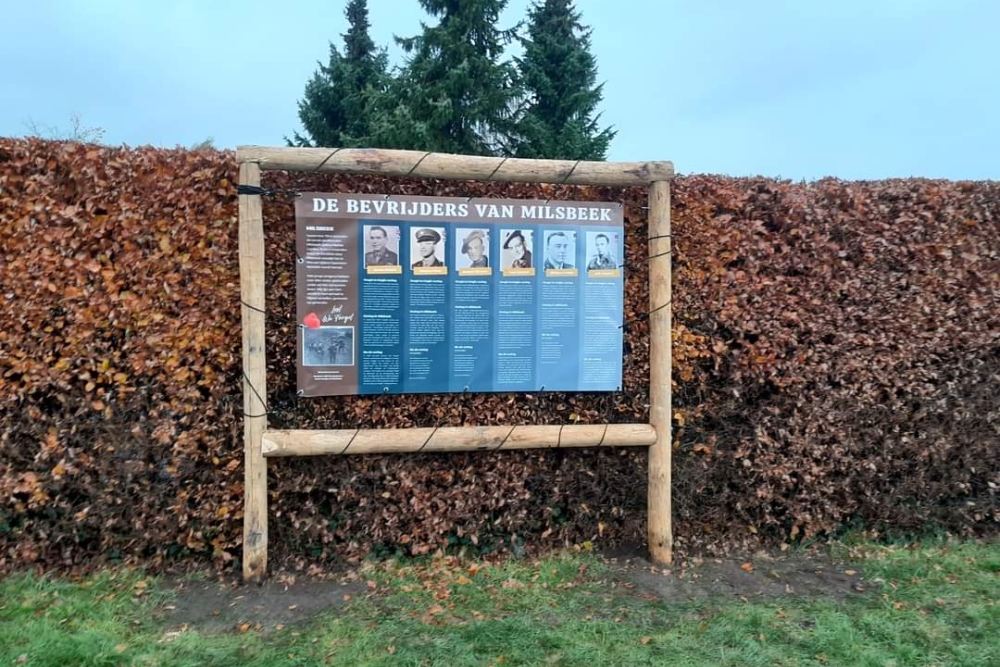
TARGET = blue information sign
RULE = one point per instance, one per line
(405, 294)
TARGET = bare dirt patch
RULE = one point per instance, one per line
(214, 606)
(219, 606)
(762, 575)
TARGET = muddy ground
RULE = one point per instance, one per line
(211, 605)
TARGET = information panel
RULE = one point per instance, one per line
(401, 294)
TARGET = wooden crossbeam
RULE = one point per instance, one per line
(421, 164)
(454, 439)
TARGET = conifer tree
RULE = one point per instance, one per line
(559, 73)
(342, 98)
(455, 93)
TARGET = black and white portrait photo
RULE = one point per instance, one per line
(560, 249)
(427, 247)
(602, 251)
(472, 249)
(381, 245)
(516, 249)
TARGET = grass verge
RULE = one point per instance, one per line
(927, 604)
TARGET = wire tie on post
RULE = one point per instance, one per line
(504, 441)
(428, 439)
(494, 172)
(603, 435)
(260, 398)
(349, 442)
(570, 172)
(658, 308)
(414, 168)
(243, 189)
(321, 164)
(566, 177)
(259, 310)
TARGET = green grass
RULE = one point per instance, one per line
(930, 604)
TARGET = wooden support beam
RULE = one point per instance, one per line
(421, 164)
(251, 222)
(660, 413)
(454, 439)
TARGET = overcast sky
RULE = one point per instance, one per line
(859, 89)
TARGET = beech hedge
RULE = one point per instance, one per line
(836, 364)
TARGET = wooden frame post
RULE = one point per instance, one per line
(260, 443)
(660, 535)
(254, 376)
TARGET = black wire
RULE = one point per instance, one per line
(267, 411)
(504, 441)
(604, 435)
(645, 316)
(570, 173)
(490, 177)
(243, 189)
(414, 168)
(428, 439)
(657, 309)
(566, 177)
(328, 159)
(259, 310)
(349, 442)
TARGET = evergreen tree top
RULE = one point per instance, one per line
(339, 101)
(456, 91)
(358, 45)
(455, 84)
(559, 75)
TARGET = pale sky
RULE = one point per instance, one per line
(797, 89)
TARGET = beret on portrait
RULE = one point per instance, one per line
(516, 234)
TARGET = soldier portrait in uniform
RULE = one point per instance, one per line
(600, 251)
(381, 245)
(473, 251)
(560, 249)
(425, 247)
(517, 249)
